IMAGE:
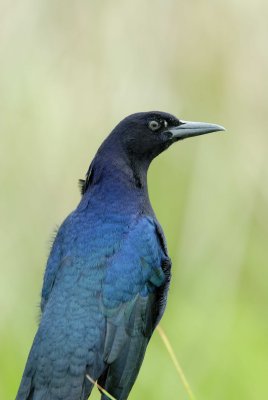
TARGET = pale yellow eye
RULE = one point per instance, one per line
(154, 125)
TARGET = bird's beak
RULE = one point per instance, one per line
(189, 129)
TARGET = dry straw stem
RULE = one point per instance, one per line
(175, 362)
(100, 388)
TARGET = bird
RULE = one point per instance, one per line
(107, 276)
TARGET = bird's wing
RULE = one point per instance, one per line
(134, 297)
(54, 263)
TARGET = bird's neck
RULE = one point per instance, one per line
(121, 181)
(131, 174)
(126, 177)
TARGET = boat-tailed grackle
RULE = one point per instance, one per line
(107, 277)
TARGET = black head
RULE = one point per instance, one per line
(138, 139)
(145, 135)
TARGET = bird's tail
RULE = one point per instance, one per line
(122, 373)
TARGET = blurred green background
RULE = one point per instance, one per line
(69, 71)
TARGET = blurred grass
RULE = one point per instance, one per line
(69, 72)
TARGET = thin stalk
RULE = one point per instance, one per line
(100, 388)
(176, 363)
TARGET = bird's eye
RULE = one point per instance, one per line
(154, 125)
(165, 123)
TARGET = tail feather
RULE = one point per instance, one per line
(121, 374)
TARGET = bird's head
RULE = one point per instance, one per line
(145, 135)
(137, 140)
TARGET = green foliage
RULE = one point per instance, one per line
(69, 72)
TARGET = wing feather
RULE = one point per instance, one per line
(139, 305)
